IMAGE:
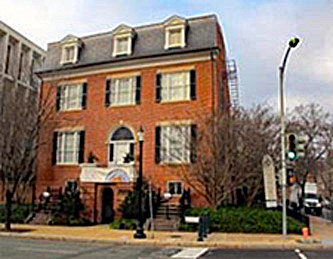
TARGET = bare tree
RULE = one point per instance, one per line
(22, 114)
(226, 152)
(313, 122)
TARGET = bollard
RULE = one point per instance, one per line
(205, 225)
(200, 230)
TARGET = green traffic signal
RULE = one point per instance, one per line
(292, 155)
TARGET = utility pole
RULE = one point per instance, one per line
(292, 44)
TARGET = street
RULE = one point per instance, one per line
(29, 248)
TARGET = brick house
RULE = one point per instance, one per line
(107, 86)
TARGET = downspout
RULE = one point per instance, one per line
(213, 79)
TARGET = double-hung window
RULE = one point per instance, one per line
(122, 91)
(175, 144)
(176, 86)
(67, 147)
(71, 97)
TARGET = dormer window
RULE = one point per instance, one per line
(175, 37)
(122, 46)
(122, 40)
(175, 28)
(69, 54)
(70, 50)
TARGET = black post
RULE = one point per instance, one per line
(140, 231)
(8, 209)
(200, 229)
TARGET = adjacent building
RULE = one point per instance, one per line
(106, 88)
(19, 57)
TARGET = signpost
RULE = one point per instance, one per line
(269, 181)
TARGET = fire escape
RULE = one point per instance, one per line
(233, 83)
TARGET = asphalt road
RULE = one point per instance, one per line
(270, 254)
(29, 248)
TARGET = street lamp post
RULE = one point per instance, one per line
(140, 231)
(292, 44)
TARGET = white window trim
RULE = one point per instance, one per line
(76, 53)
(132, 90)
(115, 45)
(63, 98)
(186, 87)
(165, 144)
(182, 43)
(181, 187)
(76, 150)
(114, 142)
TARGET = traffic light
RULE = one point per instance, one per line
(291, 177)
(301, 141)
(292, 147)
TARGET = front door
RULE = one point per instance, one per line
(107, 206)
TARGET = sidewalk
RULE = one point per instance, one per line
(102, 233)
(322, 230)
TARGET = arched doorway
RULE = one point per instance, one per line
(107, 206)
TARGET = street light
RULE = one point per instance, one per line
(139, 230)
(293, 42)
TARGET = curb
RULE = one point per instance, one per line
(150, 242)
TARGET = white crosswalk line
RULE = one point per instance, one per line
(300, 254)
(190, 252)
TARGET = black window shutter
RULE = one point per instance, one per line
(81, 149)
(108, 93)
(193, 90)
(194, 137)
(58, 98)
(157, 145)
(158, 88)
(131, 151)
(138, 90)
(111, 153)
(84, 95)
(54, 148)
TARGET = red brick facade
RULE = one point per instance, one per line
(99, 121)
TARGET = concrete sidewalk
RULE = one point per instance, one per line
(102, 233)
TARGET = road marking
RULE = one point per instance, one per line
(40, 250)
(190, 252)
(300, 254)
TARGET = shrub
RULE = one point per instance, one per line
(123, 224)
(70, 210)
(243, 219)
(19, 212)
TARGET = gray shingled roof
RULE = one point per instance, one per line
(149, 41)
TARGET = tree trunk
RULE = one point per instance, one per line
(8, 210)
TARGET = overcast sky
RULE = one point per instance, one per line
(256, 33)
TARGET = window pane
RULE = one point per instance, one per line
(69, 56)
(178, 188)
(175, 86)
(174, 143)
(69, 147)
(121, 150)
(122, 45)
(171, 188)
(59, 147)
(71, 97)
(175, 37)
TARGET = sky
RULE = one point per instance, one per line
(256, 33)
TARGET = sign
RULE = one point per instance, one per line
(93, 174)
(269, 181)
(189, 219)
